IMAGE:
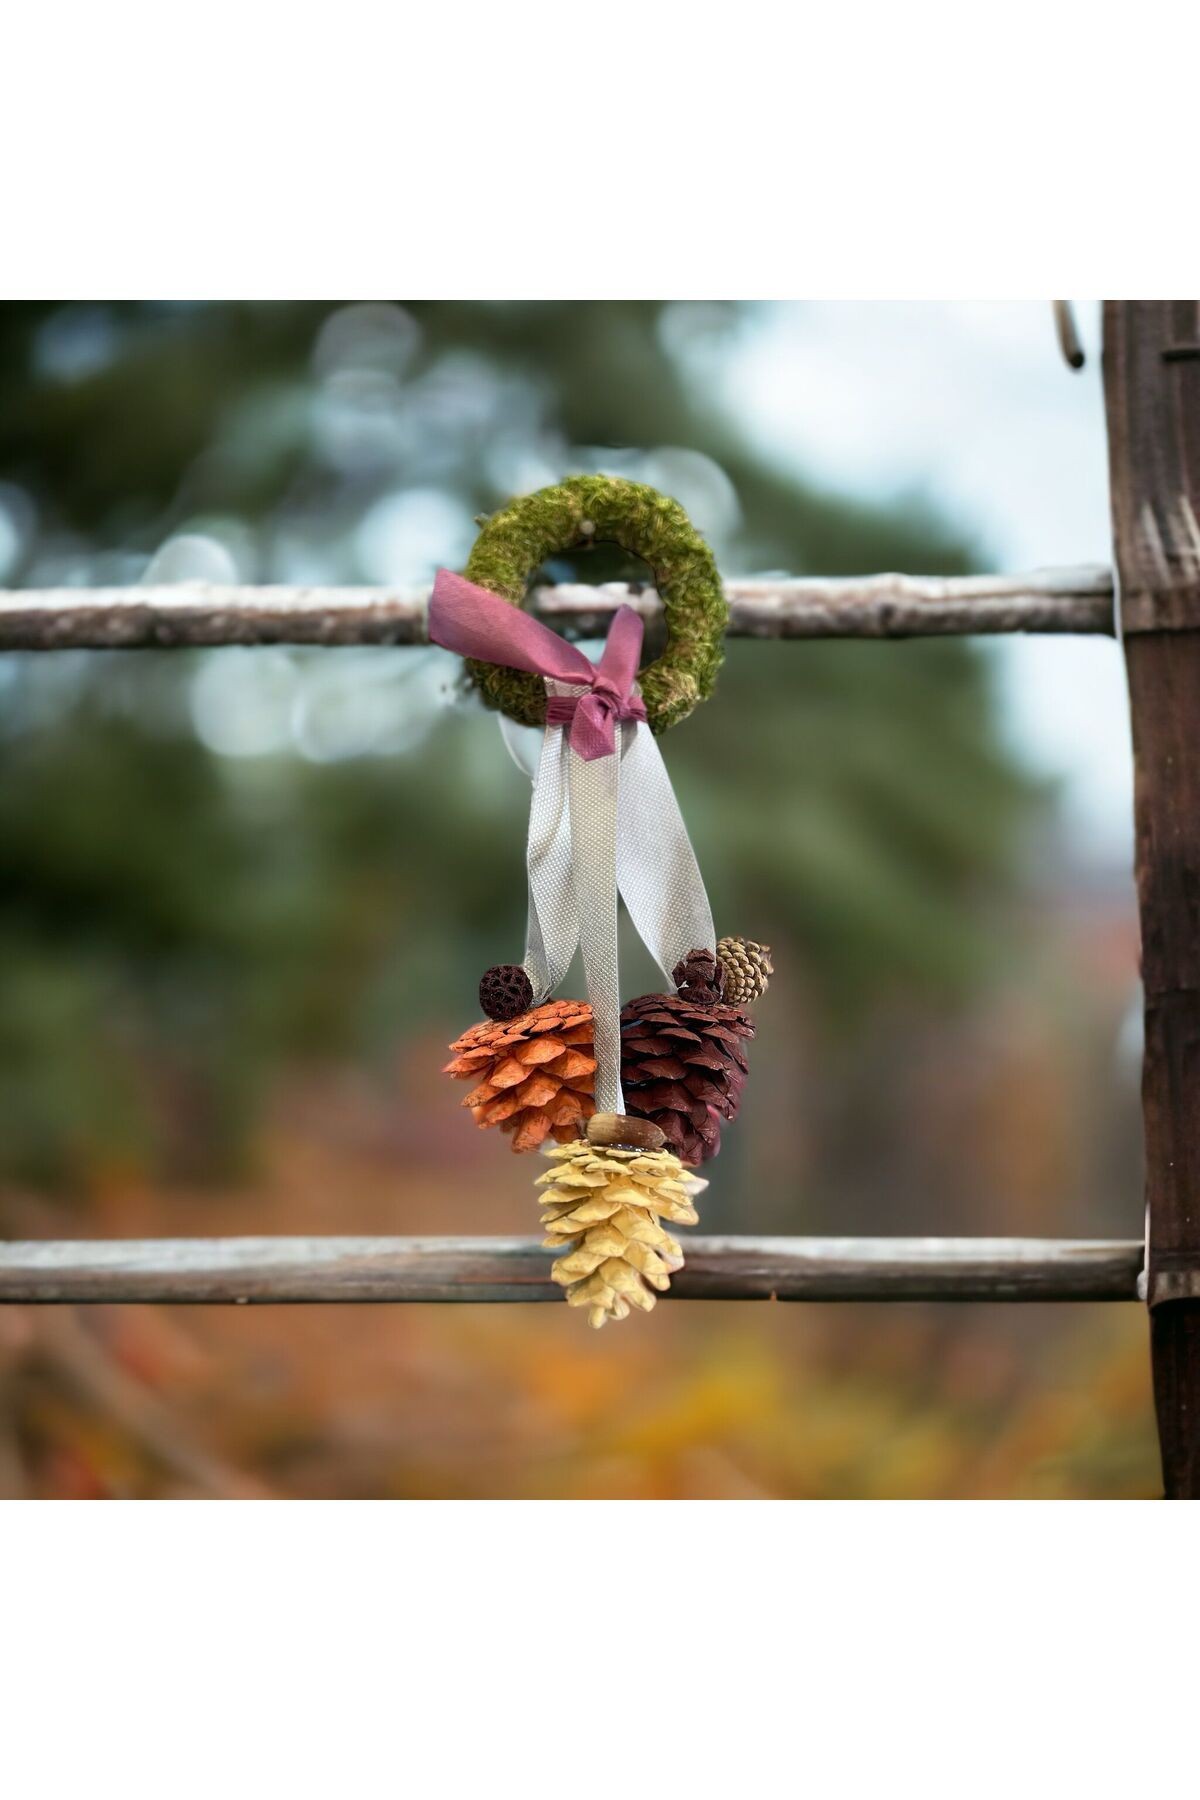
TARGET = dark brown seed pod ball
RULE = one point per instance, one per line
(505, 991)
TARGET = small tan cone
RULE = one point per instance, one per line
(747, 967)
(605, 1208)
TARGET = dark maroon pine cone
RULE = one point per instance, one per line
(684, 1067)
(505, 991)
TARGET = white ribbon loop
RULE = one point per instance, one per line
(596, 826)
(552, 926)
(594, 789)
(657, 871)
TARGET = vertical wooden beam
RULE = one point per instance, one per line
(1152, 401)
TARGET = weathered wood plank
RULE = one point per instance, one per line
(1153, 405)
(871, 606)
(257, 1270)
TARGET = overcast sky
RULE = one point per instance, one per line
(969, 403)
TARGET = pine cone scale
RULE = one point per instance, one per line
(494, 1112)
(709, 1092)
(662, 1068)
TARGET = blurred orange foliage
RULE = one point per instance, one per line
(699, 1401)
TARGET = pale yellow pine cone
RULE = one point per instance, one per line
(605, 1210)
(747, 966)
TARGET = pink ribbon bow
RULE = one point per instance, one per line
(479, 624)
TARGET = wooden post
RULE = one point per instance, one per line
(1152, 400)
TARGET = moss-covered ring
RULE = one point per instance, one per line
(589, 509)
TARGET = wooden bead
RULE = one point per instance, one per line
(618, 1131)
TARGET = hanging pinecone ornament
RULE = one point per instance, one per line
(683, 1065)
(605, 1211)
(533, 1074)
(602, 802)
(746, 967)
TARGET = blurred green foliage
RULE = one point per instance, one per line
(176, 925)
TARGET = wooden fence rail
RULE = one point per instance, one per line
(246, 1270)
(871, 606)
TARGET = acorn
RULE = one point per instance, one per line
(620, 1131)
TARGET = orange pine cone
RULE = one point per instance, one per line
(534, 1073)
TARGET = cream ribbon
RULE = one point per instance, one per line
(596, 827)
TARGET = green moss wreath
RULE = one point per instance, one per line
(590, 509)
